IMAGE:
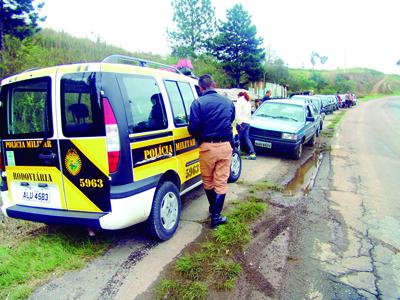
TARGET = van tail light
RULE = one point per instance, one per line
(112, 137)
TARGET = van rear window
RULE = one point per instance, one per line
(28, 108)
(82, 113)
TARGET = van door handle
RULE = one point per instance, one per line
(50, 156)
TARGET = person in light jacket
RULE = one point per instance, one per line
(243, 114)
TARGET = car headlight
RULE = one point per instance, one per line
(289, 136)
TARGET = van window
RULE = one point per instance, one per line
(181, 96)
(187, 95)
(146, 104)
(28, 108)
(82, 114)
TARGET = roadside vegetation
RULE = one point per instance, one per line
(330, 128)
(213, 263)
(31, 253)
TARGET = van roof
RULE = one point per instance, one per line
(93, 67)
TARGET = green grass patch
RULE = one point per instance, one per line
(265, 185)
(175, 290)
(212, 263)
(33, 260)
(225, 273)
(377, 96)
(336, 120)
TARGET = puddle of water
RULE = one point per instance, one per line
(303, 180)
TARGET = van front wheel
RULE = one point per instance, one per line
(166, 211)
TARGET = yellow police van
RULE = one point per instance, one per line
(103, 145)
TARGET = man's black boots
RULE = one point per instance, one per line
(211, 198)
(216, 218)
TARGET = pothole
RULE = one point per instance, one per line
(303, 180)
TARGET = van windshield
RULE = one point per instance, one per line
(27, 109)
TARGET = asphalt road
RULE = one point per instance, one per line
(346, 237)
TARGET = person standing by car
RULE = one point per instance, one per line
(211, 117)
(348, 100)
(339, 99)
(243, 114)
(267, 96)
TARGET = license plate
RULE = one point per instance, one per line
(38, 195)
(263, 144)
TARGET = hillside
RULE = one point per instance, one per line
(49, 48)
(358, 80)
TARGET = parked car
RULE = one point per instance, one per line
(328, 103)
(354, 100)
(317, 103)
(283, 126)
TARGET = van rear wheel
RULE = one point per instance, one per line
(166, 211)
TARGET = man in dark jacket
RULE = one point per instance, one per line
(267, 96)
(211, 118)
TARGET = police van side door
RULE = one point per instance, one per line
(187, 152)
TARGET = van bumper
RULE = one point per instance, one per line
(125, 212)
(55, 216)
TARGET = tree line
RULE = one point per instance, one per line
(230, 50)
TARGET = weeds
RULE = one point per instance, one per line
(225, 273)
(265, 185)
(235, 234)
(212, 264)
(24, 265)
(174, 290)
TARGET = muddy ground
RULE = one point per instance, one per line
(264, 261)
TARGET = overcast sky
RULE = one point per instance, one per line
(351, 33)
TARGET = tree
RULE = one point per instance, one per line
(315, 57)
(195, 25)
(237, 47)
(19, 18)
(275, 71)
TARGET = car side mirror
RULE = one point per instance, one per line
(310, 119)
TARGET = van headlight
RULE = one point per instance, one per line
(289, 136)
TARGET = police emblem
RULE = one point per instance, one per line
(73, 162)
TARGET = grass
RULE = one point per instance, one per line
(265, 185)
(212, 264)
(336, 120)
(378, 96)
(29, 262)
(372, 97)
(330, 128)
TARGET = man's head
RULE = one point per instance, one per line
(268, 93)
(206, 82)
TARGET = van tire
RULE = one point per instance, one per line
(236, 166)
(165, 212)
